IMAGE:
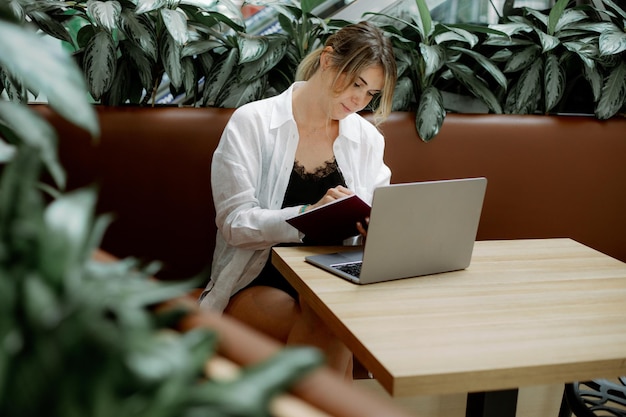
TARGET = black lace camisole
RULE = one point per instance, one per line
(303, 188)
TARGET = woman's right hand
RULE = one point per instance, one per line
(331, 195)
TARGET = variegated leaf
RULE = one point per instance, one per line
(219, 74)
(613, 93)
(612, 42)
(106, 14)
(176, 24)
(170, 56)
(569, 18)
(585, 49)
(537, 15)
(236, 94)
(144, 6)
(522, 59)
(55, 74)
(511, 28)
(34, 131)
(554, 82)
(594, 78)
(251, 48)
(277, 46)
(207, 5)
(486, 64)
(200, 47)
(402, 94)
(548, 42)
(99, 63)
(430, 114)
(119, 91)
(141, 63)
(51, 26)
(433, 56)
(140, 29)
(189, 76)
(478, 87)
(456, 34)
(529, 88)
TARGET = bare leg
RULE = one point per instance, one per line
(277, 314)
(267, 309)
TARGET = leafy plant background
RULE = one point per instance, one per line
(563, 59)
(77, 336)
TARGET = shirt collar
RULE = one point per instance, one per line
(282, 113)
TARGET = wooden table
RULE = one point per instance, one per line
(526, 312)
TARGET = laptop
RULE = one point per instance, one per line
(415, 229)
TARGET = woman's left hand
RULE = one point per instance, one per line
(362, 228)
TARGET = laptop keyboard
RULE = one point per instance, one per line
(353, 268)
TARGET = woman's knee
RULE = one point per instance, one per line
(270, 310)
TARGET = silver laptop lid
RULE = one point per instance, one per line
(422, 228)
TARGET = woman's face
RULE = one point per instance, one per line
(356, 96)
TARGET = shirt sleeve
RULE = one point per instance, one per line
(243, 214)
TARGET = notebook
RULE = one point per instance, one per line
(415, 229)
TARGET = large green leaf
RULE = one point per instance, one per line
(547, 42)
(430, 114)
(55, 74)
(522, 59)
(425, 23)
(145, 6)
(200, 47)
(220, 72)
(456, 34)
(35, 132)
(171, 56)
(554, 81)
(189, 76)
(50, 26)
(277, 46)
(568, 20)
(594, 78)
(176, 24)
(613, 93)
(528, 89)
(105, 14)
(99, 63)
(433, 56)
(140, 29)
(402, 94)
(486, 64)
(142, 64)
(612, 42)
(478, 87)
(235, 94)
(555, 15)
(251, 48)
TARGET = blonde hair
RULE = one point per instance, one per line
(357, 47)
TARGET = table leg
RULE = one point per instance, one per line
(492, 404)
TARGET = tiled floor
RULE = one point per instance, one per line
(538, 401)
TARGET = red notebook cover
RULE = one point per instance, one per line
(332, 222)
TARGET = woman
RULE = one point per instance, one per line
(287, 154)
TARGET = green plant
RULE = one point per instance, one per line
(539, 50)
(125, 48)
(81, 337)
(430, 55)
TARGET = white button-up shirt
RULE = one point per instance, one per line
(249, 177)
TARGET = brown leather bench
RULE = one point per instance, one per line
(549, 176)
